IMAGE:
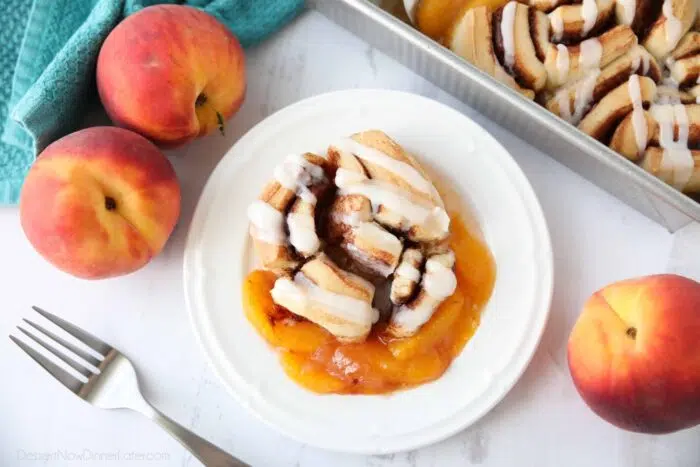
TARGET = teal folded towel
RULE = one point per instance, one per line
(49, 48)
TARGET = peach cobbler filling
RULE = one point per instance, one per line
(313, 358)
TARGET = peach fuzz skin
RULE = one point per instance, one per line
(167, 70)
(634, 353)
(100, 202)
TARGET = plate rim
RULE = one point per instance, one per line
(543, 251)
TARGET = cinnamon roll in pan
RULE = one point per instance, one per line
(574, 101)
(565, 64)
(606, 62)
(636, 134)
(602, 120)
(520, 40)
(671, 167)
(684, 61)
(472, 38)
(573, 22)
(675, 20)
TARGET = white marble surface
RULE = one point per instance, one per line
(542, 422)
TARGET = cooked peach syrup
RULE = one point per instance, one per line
(313, 358)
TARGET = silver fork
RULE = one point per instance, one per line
(114, 386)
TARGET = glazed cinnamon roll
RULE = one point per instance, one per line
(575, 100)
(666, 140)
(332, 227)
(474, 37)
(572, 22)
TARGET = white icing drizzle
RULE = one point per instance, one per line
(302, 233)
(677, 159)
(564, 103)
(629, 10)
(267, 223)
(439, 282)
(589, 14)
(670, 62)
(667, 91)
(508, 33)
(296, 174)
(306, 195)
(639, 123)
(346, 177)
(591, 53)
(584, 95)
(405, 171)
(407, 271)
(641, 59)
(674, 27)
(636, 61)
(681, 117)
(557, 23)
(646, 63)
(296, 171)
(563, 62)
(307, 294)
(392, 197)
(352, 219)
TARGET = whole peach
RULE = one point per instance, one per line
(100, 202)
(634, 353)
(171, 73)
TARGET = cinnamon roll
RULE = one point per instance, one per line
(679, 168)
(666, 140)
(576, 21)
(335, 227)
(472, 37)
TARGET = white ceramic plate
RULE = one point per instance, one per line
(459, 154)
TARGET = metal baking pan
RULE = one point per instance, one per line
(526, 119)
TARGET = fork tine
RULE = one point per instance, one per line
(91, 341)
(69, 361)
(56, 371)
(81, 353)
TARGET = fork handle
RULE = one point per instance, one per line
(209, 454)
